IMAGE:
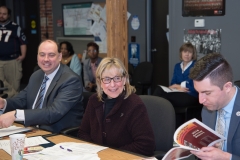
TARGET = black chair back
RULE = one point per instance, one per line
(73, 132)
(162, 118)
(86, 96)
(142, 77)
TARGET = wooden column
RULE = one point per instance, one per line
(117, 35)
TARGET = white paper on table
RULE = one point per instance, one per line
(81, 156)
(32, 141)
(76, 148)
(68, 150)
(11, 130)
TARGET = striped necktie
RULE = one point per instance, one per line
(220, 128)
(40, 97)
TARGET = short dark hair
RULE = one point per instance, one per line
(95, 45)
(190, 48)
(69, 47)
(214, 67)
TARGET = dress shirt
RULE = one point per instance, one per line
(189, 63)
(183, 84)
(227, 117)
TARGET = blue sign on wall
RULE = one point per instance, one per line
(133, 54)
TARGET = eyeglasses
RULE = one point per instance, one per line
(92, 51)
(107, 80)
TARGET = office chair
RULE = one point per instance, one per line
(86, 96)
(2, 88)
(184, 113)
(189, 112)
(142, 77)
(73, 132)
(130, 71)
(162, 118)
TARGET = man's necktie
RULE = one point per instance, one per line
(40, 97)
(221, 125)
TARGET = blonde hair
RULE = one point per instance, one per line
(106, 65)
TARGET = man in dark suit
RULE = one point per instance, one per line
(213, 79)
(55, 104)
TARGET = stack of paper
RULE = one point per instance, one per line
(12, 130)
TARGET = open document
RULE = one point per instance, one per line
(167, 89)
(68, 151)
(192, 135)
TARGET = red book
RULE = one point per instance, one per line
(192, 135)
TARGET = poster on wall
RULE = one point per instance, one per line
(76, 19)
(197, 8)
(205, 40)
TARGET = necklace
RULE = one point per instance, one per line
(68, 59)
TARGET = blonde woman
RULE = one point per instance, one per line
(115, 116)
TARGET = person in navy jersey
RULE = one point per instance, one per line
(181, 81)
(13, 51)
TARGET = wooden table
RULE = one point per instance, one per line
(107, 154)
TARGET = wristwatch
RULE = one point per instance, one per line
(15, 114)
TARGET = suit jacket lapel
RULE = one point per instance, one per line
(53, 83)
(234, 122)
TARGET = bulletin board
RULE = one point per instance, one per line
(86, 20)
(75, 19)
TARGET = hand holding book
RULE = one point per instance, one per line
(192, 135)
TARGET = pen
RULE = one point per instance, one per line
(69, 150)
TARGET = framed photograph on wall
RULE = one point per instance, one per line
(205, 40)
(197, 8)
(76, 21)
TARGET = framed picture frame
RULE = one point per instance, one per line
(199, 8)
(75, 19)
